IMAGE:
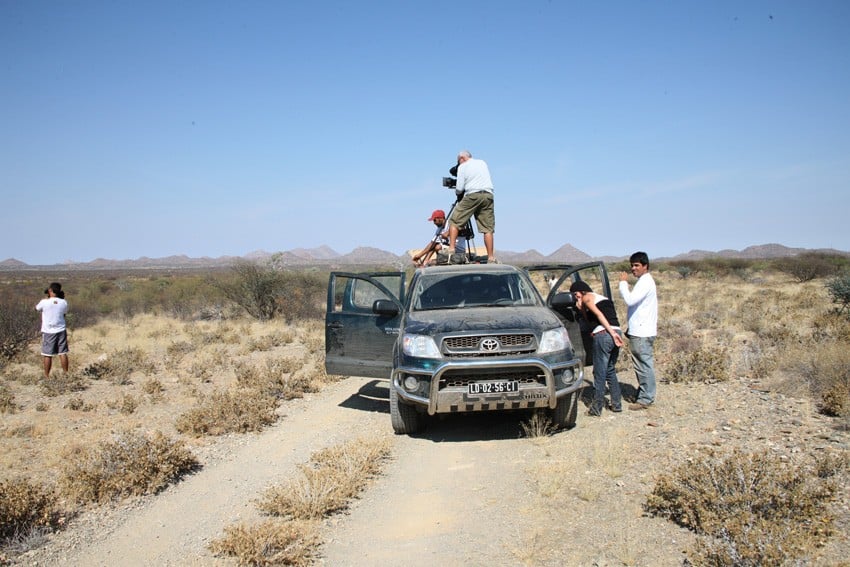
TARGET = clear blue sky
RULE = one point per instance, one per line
(133, 129)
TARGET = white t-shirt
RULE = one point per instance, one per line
(53, 312)
(473, 175)
(642, 302)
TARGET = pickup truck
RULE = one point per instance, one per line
(463, 338)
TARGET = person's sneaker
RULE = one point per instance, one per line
(595, 409)
(638, 406)
(615, 409)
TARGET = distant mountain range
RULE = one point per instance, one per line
(325, 256)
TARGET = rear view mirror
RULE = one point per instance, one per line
(385, 307)
(563, 299)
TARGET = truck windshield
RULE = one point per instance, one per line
(453, 291)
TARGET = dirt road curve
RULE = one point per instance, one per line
(469, 491)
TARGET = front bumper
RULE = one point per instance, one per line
(444, 389)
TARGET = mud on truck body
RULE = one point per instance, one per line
(465, 338)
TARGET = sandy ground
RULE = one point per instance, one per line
(468, 491)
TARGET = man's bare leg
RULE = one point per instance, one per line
(63, 360)
(48, 362)
(488, 244)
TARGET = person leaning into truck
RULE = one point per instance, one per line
(601, 316)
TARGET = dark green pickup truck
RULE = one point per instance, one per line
(466, 338)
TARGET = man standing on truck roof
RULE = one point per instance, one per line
(476, 187)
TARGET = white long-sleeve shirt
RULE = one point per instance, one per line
(473, 175)
(642, 302)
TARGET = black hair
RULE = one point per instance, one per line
(56, 287)
(582, 286)
(639, 257)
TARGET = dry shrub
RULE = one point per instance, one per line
(538, 425)
(178, 349)
(331, 478)
(705, 364)
(61, 383)
(118, 366)
(17, 328)
(277, 377)
(753, 509)
(25, 507)
(7, 400)
(223, 412)
(268, 342)
(78, 404)
(273, 542)
(130, 464)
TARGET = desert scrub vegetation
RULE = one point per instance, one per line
(751, 509)
(326, 484)
(129, 464)
(229, 411)
(24, 508)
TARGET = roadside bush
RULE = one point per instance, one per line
(118, 366)
(332, 477)
(705, 364)
(18, 327)
(272, 542)
(229, 412)
(25, 507)
(130, 464)
(303, 295)
(752, 509)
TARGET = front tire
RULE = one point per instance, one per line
(566, 412)
(405, 417)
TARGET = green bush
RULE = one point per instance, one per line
(252, 287)
(839, 291)
(808, 266)
(752, 509)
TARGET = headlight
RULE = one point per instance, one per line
(420, 346)
(554, 340)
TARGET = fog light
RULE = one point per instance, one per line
(411, 383)
(567, 377)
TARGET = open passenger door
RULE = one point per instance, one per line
(554, 280)
(362, 322)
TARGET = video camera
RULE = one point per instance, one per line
(451, 182)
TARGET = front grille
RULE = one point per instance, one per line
(461, 378)
(489, 345)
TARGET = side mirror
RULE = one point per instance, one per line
(385, 307)
(563, 299)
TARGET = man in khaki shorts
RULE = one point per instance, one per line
(473, 182)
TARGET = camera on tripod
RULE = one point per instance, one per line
(451, 182)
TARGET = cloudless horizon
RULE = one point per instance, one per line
(217, 128)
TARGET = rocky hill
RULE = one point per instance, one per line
(324, 255)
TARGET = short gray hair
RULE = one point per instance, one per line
(464, 153)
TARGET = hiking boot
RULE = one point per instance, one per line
(638, 406)
(616, 409)
(595, 409)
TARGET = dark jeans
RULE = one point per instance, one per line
(605, 355)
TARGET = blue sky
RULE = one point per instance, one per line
(136, 129)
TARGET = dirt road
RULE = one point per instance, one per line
(469, 491)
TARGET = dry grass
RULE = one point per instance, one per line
(271, 542)
(331, 479)
(127, 373)
(326, 484)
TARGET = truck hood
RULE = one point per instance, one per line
(441, 321)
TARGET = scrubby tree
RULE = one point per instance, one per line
(18, 326)
(253, 287)
(807, 267)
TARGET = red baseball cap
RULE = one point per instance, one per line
(438, 214)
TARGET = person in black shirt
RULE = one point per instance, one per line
(601, 316)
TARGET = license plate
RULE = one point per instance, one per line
(493, 387)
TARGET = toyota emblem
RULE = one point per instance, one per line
(490, 344)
